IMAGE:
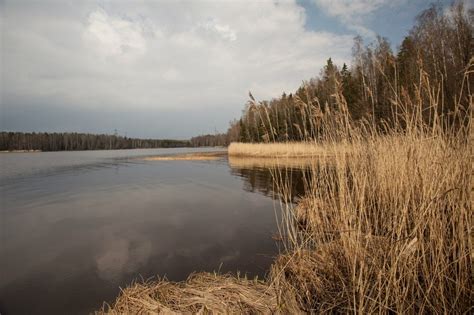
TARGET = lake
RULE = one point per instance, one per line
(76, 226)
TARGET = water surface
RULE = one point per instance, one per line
(75, 226)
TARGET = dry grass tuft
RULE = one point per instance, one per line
(201, 293)
(200, 156)
(281, 150)
(386, 227)
(320, 280)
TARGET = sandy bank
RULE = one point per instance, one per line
(20, 151)
(198, 156)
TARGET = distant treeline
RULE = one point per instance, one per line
(209, 140)
(71, 141)
(220, 139)
(437, 53)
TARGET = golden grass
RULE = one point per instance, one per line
(200, 156)
(201, 293)
(386, 227)
(281, 150)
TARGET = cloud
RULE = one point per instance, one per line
(354, 13)
(151, 57)
(222, 30)
(113, 35)
(121, 255)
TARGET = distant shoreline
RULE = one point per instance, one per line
(20, 151)
(38, 151)
(198, 156)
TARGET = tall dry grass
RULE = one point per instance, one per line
(385, 227)
(282, 149)
(201, 293)
(388, 228)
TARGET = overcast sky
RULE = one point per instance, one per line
(171, 69)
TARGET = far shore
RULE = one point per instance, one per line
(198, 156)
(20, 151)
(36, 151)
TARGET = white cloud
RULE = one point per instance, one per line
(171, 75)
(114, 36)
(147, 55)
(223, 30)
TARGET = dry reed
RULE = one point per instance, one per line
(388, 227)
(280, 150)
(201, 293)
(384, 229)
(199, 156)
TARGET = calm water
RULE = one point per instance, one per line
(74, 226)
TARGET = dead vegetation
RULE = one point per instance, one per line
(386, 227)
(284, 150)
(198, 156)
(201, 293)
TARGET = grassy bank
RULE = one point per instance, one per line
(388, 227)
(200, 293)
(385, 224)
(283, 150)
(198, 156)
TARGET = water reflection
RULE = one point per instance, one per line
(273, 162)
(72, 234)
(267, 175)
(120, 255)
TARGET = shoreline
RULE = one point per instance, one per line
(193, 156)
(320, 268)
(21, 151)
(39, 151)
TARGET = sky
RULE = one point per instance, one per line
(171, 69)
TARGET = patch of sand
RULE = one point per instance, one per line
(198, 156)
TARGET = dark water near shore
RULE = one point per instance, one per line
(74, 226)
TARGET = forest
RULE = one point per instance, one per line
(71, 141)
(436, 51)
(219, 139)
(384, 222)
